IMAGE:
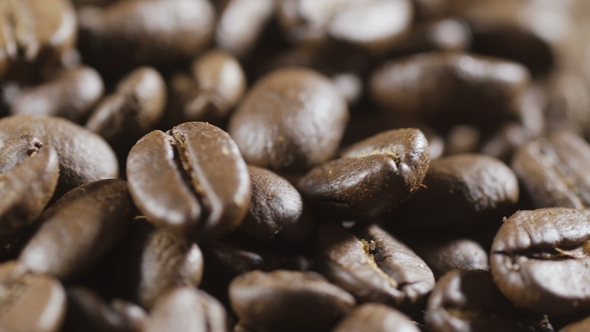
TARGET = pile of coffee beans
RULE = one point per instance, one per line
(294, 165)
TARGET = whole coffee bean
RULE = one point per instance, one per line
(30, 303)
(540, 260)
(288, 301)
(187, 309)
(79, 229)
(445, 255)
(135, 107)
(83, 156)
(568, 98)
(190, 180)
(372, 177)
(373, 266)
(291, 120)
(460, 191)
(553, 170)
(579, 326)
(445, 88)
(276, 210)
(468, 300)
(375, 317)
(28, 177)
(69, 93)
(127, 34)
(217, 84)
(34, 33)
(241, 23)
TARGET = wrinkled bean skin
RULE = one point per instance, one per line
(26, 185)
(291, 120)
(373, 266)
(372, 177)
(539, 260)
(83, 156)
(375, 317)
(79, 229)
(288, 301)
(210, 194)
(444, 256)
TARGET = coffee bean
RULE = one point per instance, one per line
(69, 93)
(372, 177)
(290, 121)
(506, 141)
(539, 260)
(187, 309)
(444, 255)
(375, 317)
(28, 177)
(373, 266)
(79, 229)
(468, 300)
(553, 170)
(83, 156)
(190, 180)
(288, 301)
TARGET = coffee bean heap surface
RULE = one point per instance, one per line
(294, 165)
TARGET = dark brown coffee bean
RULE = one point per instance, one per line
(443, 255)
(79, 229)
(217, 84)
(290, 121)
(276, 210)
(186, 309)
(288, 301)
(445, 88)
(373, 266)
(568, 99)
(190, 180)
(69, 93)
(375, 317)
(579, 326)
(131, 111)
(372, 177)
(554, 172)
(83, 156)
(460, 191)
(30, 303)
(373, 25)
(505, 141)
(468, 300)
(28, 177)
(34, 33)
(540, 260)
(241, 23)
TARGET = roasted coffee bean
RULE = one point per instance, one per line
(187, 309)
(34, 33)
(288, 301)
(28, 177)
(568, 100)
(445, 89)
(276, 210)
(375, 317)
(443, 256)
(69, 93)
(79, 229)
(190, 180)
(241, 23)
(87, 312)
(375, 25)
(128, 34)
(505, 141)
(217, 84)
(468, 300)
(134, 109)
(373, 266)
(460, 191)
(553, 170)
(149, 261)
(540, 260)
(29, 302)
(372, 177)
(291, 120)
(83, 156)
